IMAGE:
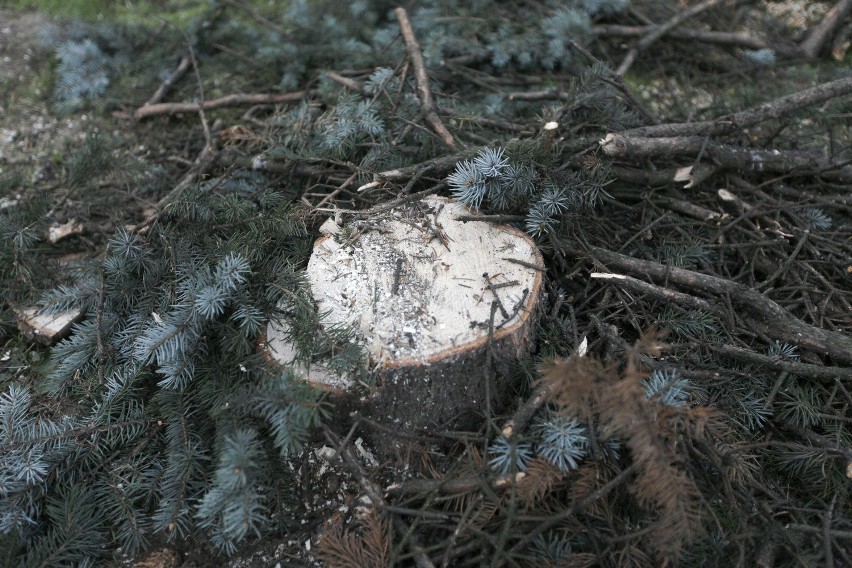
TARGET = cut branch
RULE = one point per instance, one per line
(823, 32)
(818, 372)
(828, 374)
(164, 87)
(414, 53)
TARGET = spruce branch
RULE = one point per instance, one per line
(147, 111)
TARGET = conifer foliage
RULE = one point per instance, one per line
(180, 428)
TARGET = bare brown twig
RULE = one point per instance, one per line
(659, 31)
(620, 145)
(728, 39)
(827, 374)
(148, 111)
(416, 57)
(164, 87)
(259, 18)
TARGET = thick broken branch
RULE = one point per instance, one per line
(727, 39)
(828, 374)
(763, 315)
(688, 301)
(749, 117)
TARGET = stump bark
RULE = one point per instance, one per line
(443, 305)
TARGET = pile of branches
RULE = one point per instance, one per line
(689, 399)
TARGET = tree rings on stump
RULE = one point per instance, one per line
(443, 305)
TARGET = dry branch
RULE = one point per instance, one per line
(763, 315)
(416, 57)
(828, 374)
(147, 111)
(689, 176)
(749, 117)
(665, 295)
(734, 157)
(345, 81)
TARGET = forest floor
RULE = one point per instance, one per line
(760, 262)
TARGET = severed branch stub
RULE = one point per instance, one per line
(434, 300)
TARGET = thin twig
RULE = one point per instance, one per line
(259, 18)
(228, 100)
(164, 87)
(525, 413)
(801, 162)
(207, 137)
(659, 31)
(657, 292)
(826, 374)
(345, 81)
(416, 57)
(847, 535)
(618, 83)
(575, 508)
(490, 285)
(784, 265)
(337, 190)
(374, 492)
(763, 315)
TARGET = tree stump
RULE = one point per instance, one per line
(443, 305)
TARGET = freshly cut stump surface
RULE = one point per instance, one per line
(443, 307)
